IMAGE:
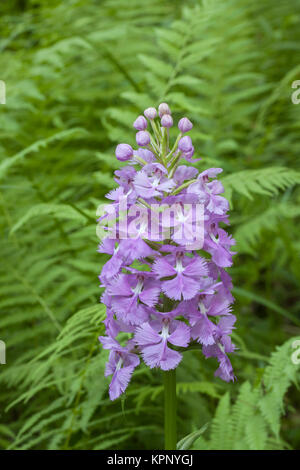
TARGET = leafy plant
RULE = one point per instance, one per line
(253, 421)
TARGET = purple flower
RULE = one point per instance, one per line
(122, 255)
(121, 365)
(159, 292)
(152, 181)
(131, 294)
(166, 120)
(125, 177)
(184, 221)
(113, 265)
(208, 192)
(150, 113)
(114, 326)
(140, 123)
(124, 152)
(163, 108)
(218, 244)
(221, 348)
(186, 275)
(204, 330)
(145, 154)
(153, 341)
(189, 155)
(185, 125)
(184, 173)
(117, 195)
(185, 144)
(143, 138)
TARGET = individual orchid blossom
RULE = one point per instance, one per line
(121, 365)
(186, 274)
(166, 287)
(153, 341)
(131, 294)
(152, 181)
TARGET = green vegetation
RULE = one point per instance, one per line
(77, 74)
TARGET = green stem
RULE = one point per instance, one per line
(164, 145)
(168, 157)
(170, 409)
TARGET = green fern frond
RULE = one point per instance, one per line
(265, 182)
(221, 426)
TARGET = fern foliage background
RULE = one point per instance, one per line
(77, 73)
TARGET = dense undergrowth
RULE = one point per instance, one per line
(77, 74)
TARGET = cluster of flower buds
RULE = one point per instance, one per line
(166, 288)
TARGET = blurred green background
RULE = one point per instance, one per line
(77, 74)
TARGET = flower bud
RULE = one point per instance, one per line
(140, 123)
(142, 138)
(166, 120)
(124, 152)
(163, 108)
(185, 144)
(185, 125)
(150, 113)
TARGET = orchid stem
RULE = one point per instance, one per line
(170, 409)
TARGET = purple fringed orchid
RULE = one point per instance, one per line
(166, 287)
(121, 365)
(153, 338)
(187, 274)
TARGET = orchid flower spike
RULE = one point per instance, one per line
(166, 281)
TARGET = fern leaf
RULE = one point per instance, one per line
(265, 182)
